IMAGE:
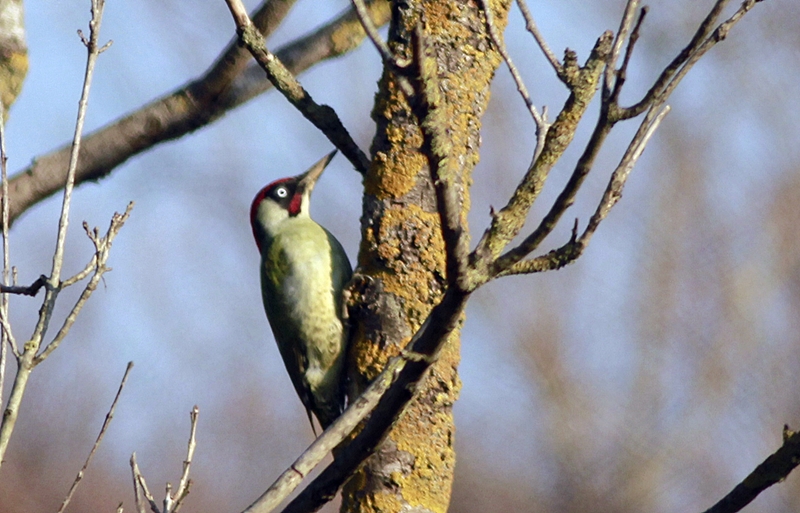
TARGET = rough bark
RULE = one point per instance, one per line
(402, 257)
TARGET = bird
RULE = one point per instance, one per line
(304, 270)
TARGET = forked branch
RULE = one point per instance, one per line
(143, 499)
(486, 261)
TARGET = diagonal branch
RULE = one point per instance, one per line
(234, 58)
(512, 262)
(771, 471)
(530, 25)
(625, 24)
(291, 478)
(539, 120)
(423, 348)
(103, 429)
(372, 32)
(322, 116)
(102, 250)
(703, 40)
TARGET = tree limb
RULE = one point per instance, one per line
(322, 116)
(184, 110)
(771, 471)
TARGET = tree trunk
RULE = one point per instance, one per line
(402, 258)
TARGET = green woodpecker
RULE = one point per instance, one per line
(303, 272)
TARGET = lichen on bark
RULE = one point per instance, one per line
(402, 254)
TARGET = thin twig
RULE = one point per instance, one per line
(393, 62)
(102, 249)
(372, 33)
(185, 483)
(701, 42)
(93, 52)
(539, 120)
(620, 175)
(619, 39)
(706, 37)
(140, 489)
(80, 276)
(509, 221)
(569, 252)
(103, 429)
(172, 502)
(622, 73)
(530, 24)
(7, 336)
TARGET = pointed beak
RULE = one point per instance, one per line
(309, 178)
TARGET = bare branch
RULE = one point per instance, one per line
(28, 359)
(140, 490)
(539, 120)
(390, 60)
(703, 40)
(619, 39)
(551, 261)
(421, 353)
(622, 74)
(172, 502)
(30, 290)
(771, 471)
(185, 483)
(372, 32)
(103, 429)
(508, 222)
(322, 116)
(102, 249)
(497, 235)
(6, 336)
(325, 443)
(620, 175)
(93, 53)
(569, 252)
(530, 24)
(87, 270)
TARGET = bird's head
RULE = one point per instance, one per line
(284, 199)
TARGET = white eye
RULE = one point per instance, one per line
(281, 192)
